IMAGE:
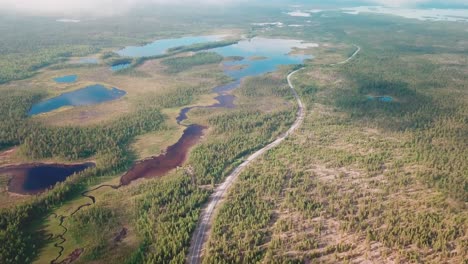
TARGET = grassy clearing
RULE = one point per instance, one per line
(180, 64)
(156, 143)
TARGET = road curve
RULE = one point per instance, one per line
(350, 58)
(202, 230)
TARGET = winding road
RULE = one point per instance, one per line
(202, 231)
(358, 49)
(203, 228)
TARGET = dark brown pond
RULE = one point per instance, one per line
(175, 156)
(36, 178)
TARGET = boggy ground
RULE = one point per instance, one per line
(269, 102)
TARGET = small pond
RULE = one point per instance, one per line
(90, 95)
(66, 79)
(120, 66)
(36, 178)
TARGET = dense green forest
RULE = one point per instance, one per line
(167, 213)
(202, 46)
(180, 64)
(242, 132)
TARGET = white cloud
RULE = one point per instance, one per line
(298, 13)
(109, 7)
(413, 3)
(421, 14)
(396, 3)
(92, 7)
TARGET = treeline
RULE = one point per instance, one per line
(82, 142)
(15, 66)
(14, 106)
(202, 46)
(39, 141)
(179, 64)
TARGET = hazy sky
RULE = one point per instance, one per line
(107, 7)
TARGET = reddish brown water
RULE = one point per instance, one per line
(36, 178)
(175, 156)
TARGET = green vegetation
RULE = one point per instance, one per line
(180, 64)
(97, 223)
(168, 209)
(265, 86)
(14, 106)
(107, 143)
(167, 214)
(236, 134)
(77, 143)
(243, 219)
(423, 113)
(363, 179)
(202, 46)
(15, 67)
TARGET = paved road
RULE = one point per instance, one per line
(202, 231)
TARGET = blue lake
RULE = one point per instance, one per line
(160, 47)
(90, 95)
(276, 52)
(66, 79)
(121, 66)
